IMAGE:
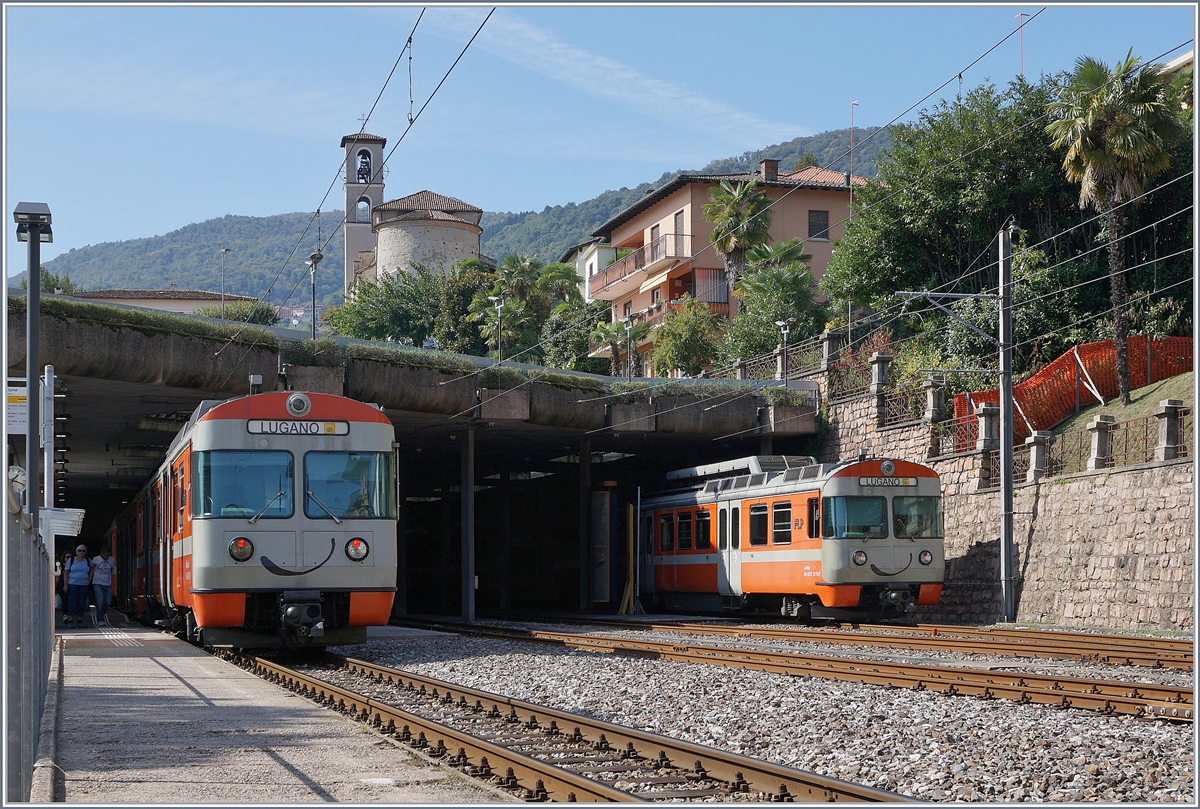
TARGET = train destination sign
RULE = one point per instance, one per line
(280, 427)
(887, 481)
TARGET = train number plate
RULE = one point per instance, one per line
(280, 427)
(887, 481)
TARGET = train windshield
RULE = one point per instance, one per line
(349, 485)
(917, 517)
(241, 483)
(853, 517)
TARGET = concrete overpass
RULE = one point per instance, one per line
(539, 441)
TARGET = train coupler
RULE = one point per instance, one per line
(301, 615)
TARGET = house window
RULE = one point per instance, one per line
(818, 225)
(628, 308)
(591, 268)
(655, 244)
(656, 295)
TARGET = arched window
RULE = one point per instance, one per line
(362, 211)
(364, 166)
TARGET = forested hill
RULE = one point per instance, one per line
(259, 246)
(549, 232)
(190, 258)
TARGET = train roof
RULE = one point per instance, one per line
(761, 472)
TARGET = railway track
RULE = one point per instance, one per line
(1135, 699)
(1106, 649)
(542, 754)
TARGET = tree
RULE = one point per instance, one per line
(51, 282)
(565, 336)
(777, 286)
(259, 312)
(560, 282)
(400, 306)
(740, 220)
(804, 161)
(517, 275)
(452, 328)
(616, 339)
(1118, 127)
(513, 322)
(687, 339)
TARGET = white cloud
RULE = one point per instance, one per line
(511, 38)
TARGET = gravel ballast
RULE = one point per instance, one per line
(920, 744)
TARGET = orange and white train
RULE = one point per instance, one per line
(272, 522)
(858, 538)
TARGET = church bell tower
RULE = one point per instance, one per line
(363, 184)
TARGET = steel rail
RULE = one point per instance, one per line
(1085, 648)
(539, 779)
(775, 780)
(1136, 699)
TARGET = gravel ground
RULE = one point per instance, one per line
(924, 745)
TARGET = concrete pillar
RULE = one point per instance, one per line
(935, 399)
(830, 341)
(780, 360)
(989, 426)
(504, 562)
(879, 372)
(741, 368)
(1101, 430)
(765, 444)
(585, 522)
(1167, 412)
(1039, 462)
(466, 492)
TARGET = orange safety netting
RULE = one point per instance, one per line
(1050, 395)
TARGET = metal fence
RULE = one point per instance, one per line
(804, 358)
(903, 404)
(1068, 453)
(29, 638)
(764, 367)
(849, 379)
(1186, 433)
(1020, 463)
(1133, 442)
(956, 435)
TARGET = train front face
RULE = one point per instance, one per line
(294, 521)
(882, 549)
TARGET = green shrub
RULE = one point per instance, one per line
(501, 377)
(323, 351)
(630, 392)
(146, 321)
(567, 381)
(441, 361)
(783, 397)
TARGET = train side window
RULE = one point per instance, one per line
(722, 529)
(703, 531)
(648, 536)
(666, 533)
(814, 518)
(781, 524)
(758, 524)
(685, 530)
(735, 527)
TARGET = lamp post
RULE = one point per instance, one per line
(224, 250)
(629, 348)
(312, 263)
(785, 327)
(33, 226)
(498, 300)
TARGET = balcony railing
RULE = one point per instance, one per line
(668, 246)
(655, 313)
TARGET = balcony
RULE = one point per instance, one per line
(654, 315)
(623, 276)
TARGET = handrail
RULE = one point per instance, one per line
(666, 246)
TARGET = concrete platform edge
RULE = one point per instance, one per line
(41, 789)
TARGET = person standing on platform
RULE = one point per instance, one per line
(78, 574)
(104, 571)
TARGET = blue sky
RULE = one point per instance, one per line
(135, 121)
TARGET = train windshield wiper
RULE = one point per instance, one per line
(328, 510)
(263, 510)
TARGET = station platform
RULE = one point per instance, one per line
(134, 715)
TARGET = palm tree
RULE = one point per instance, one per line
(559, 281)
(510, 322)
(614, 337)
(1117, 126)
(740, 221)
(518, 274)
(762, 256)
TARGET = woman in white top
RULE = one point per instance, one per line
(104, 573)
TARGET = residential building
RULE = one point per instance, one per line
(661, 245)
(588, 256)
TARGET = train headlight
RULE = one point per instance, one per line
(859, 558)
(241, 549)
(888, 468)
(925, 557)
(357, 549)
(298, 404)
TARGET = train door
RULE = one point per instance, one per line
(729, 544)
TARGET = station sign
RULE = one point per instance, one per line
(887, 481)
(16, 407)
